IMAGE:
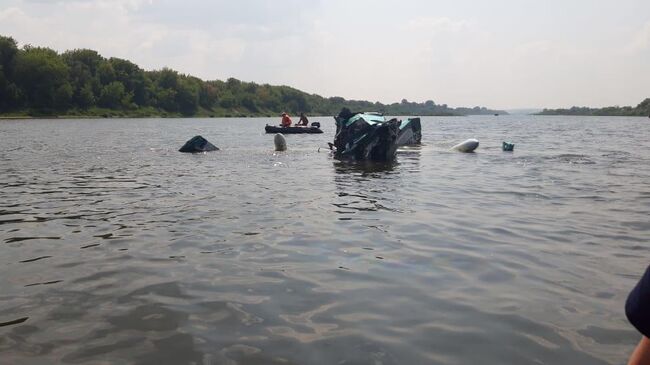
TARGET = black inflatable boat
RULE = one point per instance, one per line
(292, 130)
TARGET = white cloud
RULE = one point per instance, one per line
(641, 40)
(434, 26)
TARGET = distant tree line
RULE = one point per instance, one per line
(641, 110)
(39, 81)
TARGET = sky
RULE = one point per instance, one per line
(501, 53)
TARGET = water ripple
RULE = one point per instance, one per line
(124, 251)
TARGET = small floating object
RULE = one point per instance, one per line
(508, 147)
(467, 146)
(198, 144)
(280, 142)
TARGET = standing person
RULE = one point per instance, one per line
(286, 120)
(637, 309)
(303, 120)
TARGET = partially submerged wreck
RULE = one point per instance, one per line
(369, 136)
(198, 144)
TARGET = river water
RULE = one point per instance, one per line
(117, 249)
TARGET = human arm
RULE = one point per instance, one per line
(641, 355)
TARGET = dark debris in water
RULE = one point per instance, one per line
(104, 236)
(19, 239)
(89, 246)
(379, 228)
(45, 283)
(36, 259)
(15, 321)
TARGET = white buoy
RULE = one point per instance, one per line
(280, 142)
(467, 146)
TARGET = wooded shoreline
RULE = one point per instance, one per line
(39, 81)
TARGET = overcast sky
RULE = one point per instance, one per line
(499, 53)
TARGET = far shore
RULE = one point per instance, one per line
(44, 117)
(23, 117)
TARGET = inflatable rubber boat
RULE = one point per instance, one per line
(292, 130)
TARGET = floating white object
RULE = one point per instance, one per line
(468, 146)
(280, 142)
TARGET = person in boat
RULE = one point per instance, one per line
(286, 120)
(637, 309)
(303, 122)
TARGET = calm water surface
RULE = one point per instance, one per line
(116, 249)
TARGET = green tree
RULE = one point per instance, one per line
(187, 96)
(112, 95)
(9, 92)
(166, 99)
(167, 78)
(86, 97)
(644, 108)
(233, 84)
(8, 52)
(63, 96)
(227, 100)
(295, 101)
(42, 76)
(105, 73)
(208, 95)
(248, 102)
(133, 78)
(84, 65)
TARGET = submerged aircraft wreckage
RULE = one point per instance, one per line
(369, 136)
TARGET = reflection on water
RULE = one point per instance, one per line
(357, 189)
(125, 251)
(363, 167)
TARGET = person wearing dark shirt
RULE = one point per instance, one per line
(637, 310)
(303, 120)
